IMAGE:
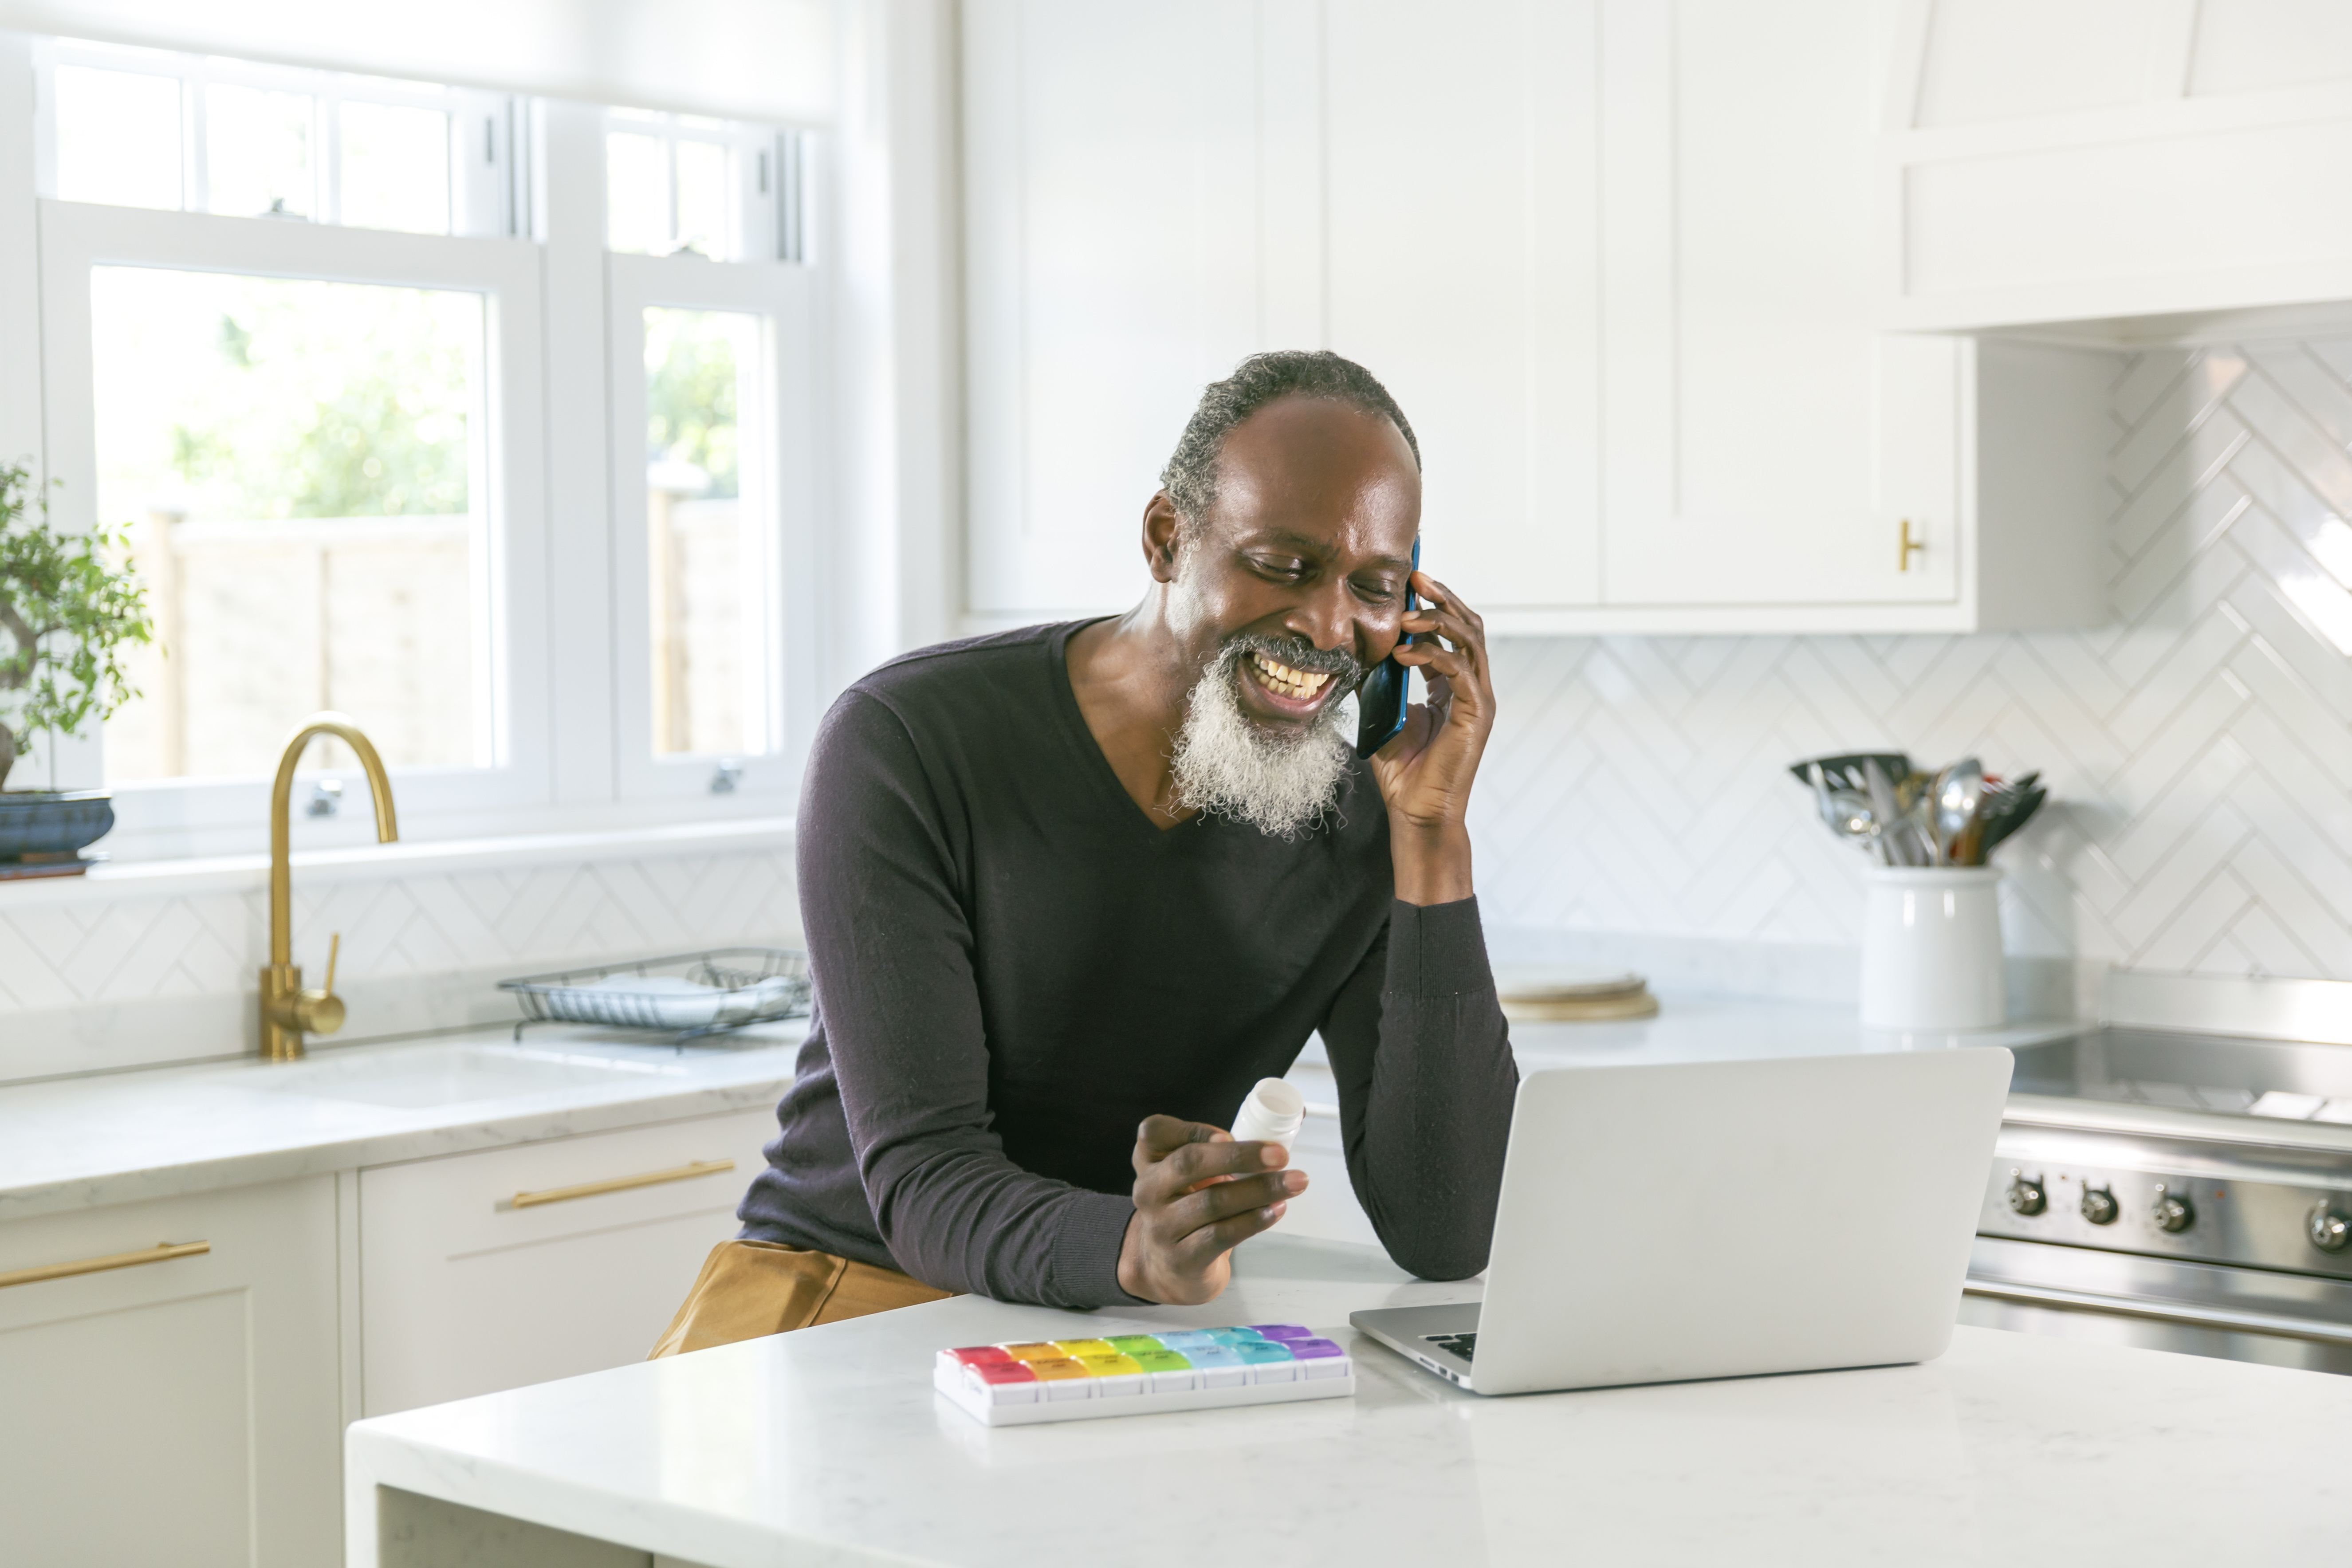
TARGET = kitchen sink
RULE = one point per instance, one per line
(420, 1078)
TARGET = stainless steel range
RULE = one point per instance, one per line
(2187, 1191)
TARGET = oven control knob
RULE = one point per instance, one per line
(2329, 1231)
(2172, 1213)
(2099, 1205)
(2025, 1196)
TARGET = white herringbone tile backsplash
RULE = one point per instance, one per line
(137, 949)
(2199, 748)
(92, 978)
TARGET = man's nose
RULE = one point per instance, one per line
(1328, 617)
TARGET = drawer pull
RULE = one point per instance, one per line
(621, 1183)
(161, 1253)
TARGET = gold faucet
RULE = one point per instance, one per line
(289, 1012)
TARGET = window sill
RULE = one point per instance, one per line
(241, 873)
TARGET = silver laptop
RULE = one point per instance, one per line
(1723, 1219)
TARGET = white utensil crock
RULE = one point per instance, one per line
(1931, 948)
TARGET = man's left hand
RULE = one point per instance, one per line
(1424, 773)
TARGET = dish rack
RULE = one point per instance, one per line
(748, 984)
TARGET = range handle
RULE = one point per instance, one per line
(2224, 1318)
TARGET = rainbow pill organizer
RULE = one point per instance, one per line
(1139, 1374)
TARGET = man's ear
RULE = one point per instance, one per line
(1163, 530)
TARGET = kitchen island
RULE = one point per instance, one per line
(829, 1447)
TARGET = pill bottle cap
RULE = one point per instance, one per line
(1272, 1114)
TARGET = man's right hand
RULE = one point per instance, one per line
(1197, 1194)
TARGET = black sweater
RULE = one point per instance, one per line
(1015, 967)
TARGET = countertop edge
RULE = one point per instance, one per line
(373, 1458)
(532, 1125)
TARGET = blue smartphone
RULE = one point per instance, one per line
(1380, 702)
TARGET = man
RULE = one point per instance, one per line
(1070, 891)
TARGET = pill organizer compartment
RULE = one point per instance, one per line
(1029, 1381)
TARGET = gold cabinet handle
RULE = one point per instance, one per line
(621, 1183)
(162, 1253)
(1910, 546)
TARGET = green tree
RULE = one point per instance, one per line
(376, 430)
(690, 392)
(286, 399)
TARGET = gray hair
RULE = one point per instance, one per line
(1191, 476)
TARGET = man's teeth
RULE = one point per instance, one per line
(1296, 684)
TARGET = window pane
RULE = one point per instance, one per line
(258, 151)
(118, 137)
(397, 167)
(707, 569)
(703, 200)
(636, 200)
(297, 461)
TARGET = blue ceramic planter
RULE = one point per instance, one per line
(50, 822)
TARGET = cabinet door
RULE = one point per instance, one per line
(1461, 252)
(1763, 446)
(1111, 269)
(181, 1411)
(463, 1290)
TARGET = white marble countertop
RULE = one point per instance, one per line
(828, 1446)
(1689, 1028)
(119, 1137)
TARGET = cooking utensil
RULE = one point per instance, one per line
(1959, 795)
(1848, 814)
(1915, 794)
(1901, 847)
(2003, 814)
(1845, 770)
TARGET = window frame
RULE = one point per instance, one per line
(767, 176)
(489, 195)
(785, 295)
(570, 591)
(188, 814)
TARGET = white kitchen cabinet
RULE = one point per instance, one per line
(183, 1411)
(1773, 461)
(1460, 265)
(1614, 257)
(1152, 192)
(2122, 167)
(1764, 445)
(466, 1290)
(1112, 257)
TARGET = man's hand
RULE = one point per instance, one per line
(1197, 1192)
(1424, 773)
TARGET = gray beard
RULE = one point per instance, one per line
(1282, 782)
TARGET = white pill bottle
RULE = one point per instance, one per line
(1272, 1114)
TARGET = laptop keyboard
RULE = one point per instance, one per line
(1464, 1345)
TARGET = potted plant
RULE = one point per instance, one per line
(69, 606)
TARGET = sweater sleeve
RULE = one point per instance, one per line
(1422, 1057)
(891, 949)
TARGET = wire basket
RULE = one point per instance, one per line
(686, 996)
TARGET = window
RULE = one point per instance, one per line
(299, 462)
(151, 129)
(704, 564)
(295, 335)
(329, 443)
(680, 185)
(713, 491)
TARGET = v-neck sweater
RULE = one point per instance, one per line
(1015, 966)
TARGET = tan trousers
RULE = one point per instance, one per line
(751, 1288)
